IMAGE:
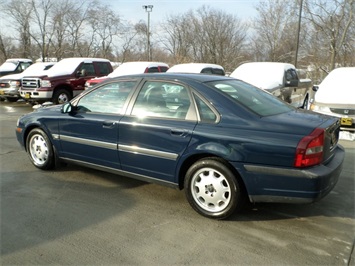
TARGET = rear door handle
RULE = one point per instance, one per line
(108, 124)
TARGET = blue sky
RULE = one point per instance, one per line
(132, 10)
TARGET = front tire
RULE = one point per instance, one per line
(11, 100)
(61, 96)
(212, 189)
(40, 150)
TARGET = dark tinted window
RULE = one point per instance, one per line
(153, 69)
(163, 69)
(218, 71)
(255, 99)
(87, 69)
(214, 71)
(104, 68)
(206, 70)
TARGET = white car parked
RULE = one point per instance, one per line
(335, 96)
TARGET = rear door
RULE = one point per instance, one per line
(157, 129)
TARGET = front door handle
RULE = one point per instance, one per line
(179, 132)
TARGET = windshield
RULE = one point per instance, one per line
(255, 99)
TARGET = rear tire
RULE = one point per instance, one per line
(40, 150)
(212, 189)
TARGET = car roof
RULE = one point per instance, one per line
(144, 63)
(18, 60)
(337, 87)
(178, 76)
(136, 67)
(193, 67)
(83, 59)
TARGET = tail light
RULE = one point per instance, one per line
(309, 150)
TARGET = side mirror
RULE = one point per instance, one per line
(66, 108)
(291, 83)
(315, 88)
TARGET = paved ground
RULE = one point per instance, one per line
(77, 216)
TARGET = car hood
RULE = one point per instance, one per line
(335, 95)
(337, 88)
(12, 77)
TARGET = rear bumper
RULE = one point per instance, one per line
(291, 185)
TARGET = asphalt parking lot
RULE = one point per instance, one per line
(79, 216)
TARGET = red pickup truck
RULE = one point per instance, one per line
(64, 80)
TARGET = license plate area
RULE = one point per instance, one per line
(27, 95)
(346, 121)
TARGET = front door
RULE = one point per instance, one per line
(90, 132)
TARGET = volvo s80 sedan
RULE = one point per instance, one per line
(223, 141)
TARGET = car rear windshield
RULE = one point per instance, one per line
(253, 98)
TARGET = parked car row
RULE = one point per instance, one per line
(72, 76)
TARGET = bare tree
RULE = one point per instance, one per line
(105, 25)
(21, 13)
(177, 41)
(333, 21)
(207, 35)
(75, 20)
(275, 31)
(43, 32)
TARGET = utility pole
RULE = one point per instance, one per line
(148, 9)
(298, 32)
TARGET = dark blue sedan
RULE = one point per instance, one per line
(223, 141)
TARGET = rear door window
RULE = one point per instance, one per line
(103, 68)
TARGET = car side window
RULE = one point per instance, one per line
(87, 69)
(207, 70)
(218, 71)
(162, 99)
(103, 68)
(153, 70)
(205, 112)
(163, 69)
(109, 98)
